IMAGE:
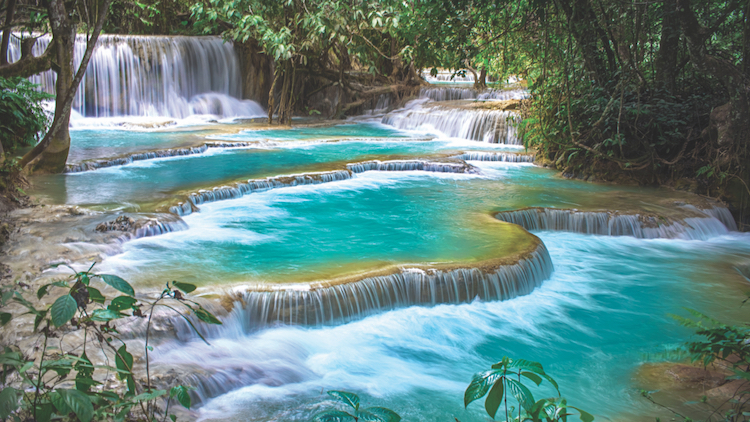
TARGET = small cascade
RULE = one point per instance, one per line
(410, 165)
(720, 213)
(255, 185)
(154, 76)
(493, 126)
(614, 224)
(449, 93)
(333, 304)
(155, 227)
(150, 155)
(496, 156)
(379, 104)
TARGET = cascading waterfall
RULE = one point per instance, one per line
(258, 185)
(493, 126)
(154, 76)
(411, 165)
(614, 224)
(449, 93)
(155, 227)
(496, 156)
(150, 155)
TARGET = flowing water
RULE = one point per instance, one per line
(386, 257)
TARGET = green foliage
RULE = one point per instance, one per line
(31, 385)
(22, 118)
(354, 413)
(505, 381)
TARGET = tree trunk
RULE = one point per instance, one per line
(50, 155)
(271, 96)
(583, 24)
(10, 10)
(666, 57)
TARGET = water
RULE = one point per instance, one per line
(392, 279)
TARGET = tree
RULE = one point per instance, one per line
(49, 155)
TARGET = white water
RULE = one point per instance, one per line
(155, 76)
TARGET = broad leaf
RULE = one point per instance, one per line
(180, 392)
(480, 384)
(527, 365)
(61, 406)
(185, 287)
(122, 302)
(79, 403)
(378, 414)
(104, 315)
(521, 393)
(118, 283)
(85, 370)
(495, 398)
(124, 362)
(8, 401)
(39, 318)
(206, 316)
(95, 295)
(585, 416)
(333, 416)
(63, 310)
(5, 318)
(143, 397)
(533, 377)
(349, 398)
(44, 412)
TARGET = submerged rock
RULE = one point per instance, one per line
(122, 223)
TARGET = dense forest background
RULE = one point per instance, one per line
(652, 92)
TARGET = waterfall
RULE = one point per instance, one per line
(449, 93)
(496, 156)
(411, 165)
(614, 224)
(154, 76)
(150, 155)
(493, 126)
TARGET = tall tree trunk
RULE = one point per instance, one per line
(666, 57)
(10, 10)
(50, 155)
(271, 93)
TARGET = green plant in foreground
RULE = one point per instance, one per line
(370, 414)
(41, 388)
(504, 381)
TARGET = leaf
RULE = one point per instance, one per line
(533, 377)
(95, 295)
(149, 396)
(521, 393)
(44, 412)
(124, 362)
(104, 315)
(122, 302)
(63, 310)
(84, 374)
(585, 416)
(379, 414)
(527, 365)
(349, 398)
(118, 283)
(495, 398)
(206, 316)
(61, 406)
(185, 287)
(333, 416)
(5, 318)
(480, 384)
(8, 402)
(181, 393)
(42, 291)
(39, 318)
(79, 403)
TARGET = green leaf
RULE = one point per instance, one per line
(79, 403)
(181, 393)
(124, 362)
(85, 370)
(42, 291)
(5, 318)
(533, 377)
(527, 365)
(39, 318)
(333, 416)
(495, 398)
(149, 396)
(122, 302)
(118, 283)
(61, 406)
(206, 316)
(521, 393)
(44, 412)
(104, 315)
(480, 385)
(63, 310)
(585, 416)
(379, 414)
(8, 402)
(185, 287)
(95, 295)
(349, 398)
